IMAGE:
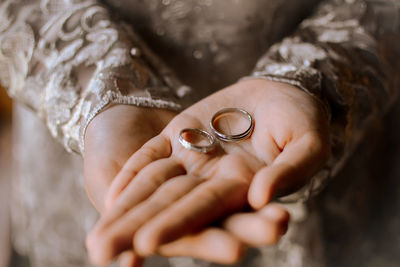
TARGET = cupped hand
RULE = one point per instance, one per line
(111, 138)
(165, 191)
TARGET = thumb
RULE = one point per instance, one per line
(299, 160)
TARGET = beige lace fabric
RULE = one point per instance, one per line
(67, 59)
(343, 55)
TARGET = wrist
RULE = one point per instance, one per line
(128, 118)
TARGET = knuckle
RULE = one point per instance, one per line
(148, 152)
(145, 181)
(128, 172)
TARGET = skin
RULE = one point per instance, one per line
(165, 196)
(111, 138)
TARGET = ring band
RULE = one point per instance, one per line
(197, 148)
(234, 137)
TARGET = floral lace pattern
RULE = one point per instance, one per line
(340, 56)
(66, 59)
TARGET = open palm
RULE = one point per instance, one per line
(165, 191)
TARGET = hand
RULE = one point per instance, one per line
(111, 138)
(288, 145)
(223, 245)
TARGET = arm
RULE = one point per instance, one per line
(67, 61)
(346, 55)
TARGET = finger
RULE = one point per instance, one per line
(129, 259)
(104, 243)
(157, 148)
(290, 170)
(215, 245)
(146, 182)
(207, 203)
(278, 214)
(259, 229)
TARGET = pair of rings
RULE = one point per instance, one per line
(218, 134)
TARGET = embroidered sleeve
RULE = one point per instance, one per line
(346, 55)
(67, 60)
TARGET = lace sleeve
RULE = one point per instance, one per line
(346, 55)
(66, 60)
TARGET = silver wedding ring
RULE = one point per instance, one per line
(233, 137)
(198, 148)
(221, 136)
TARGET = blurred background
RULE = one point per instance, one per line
(5, 173)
